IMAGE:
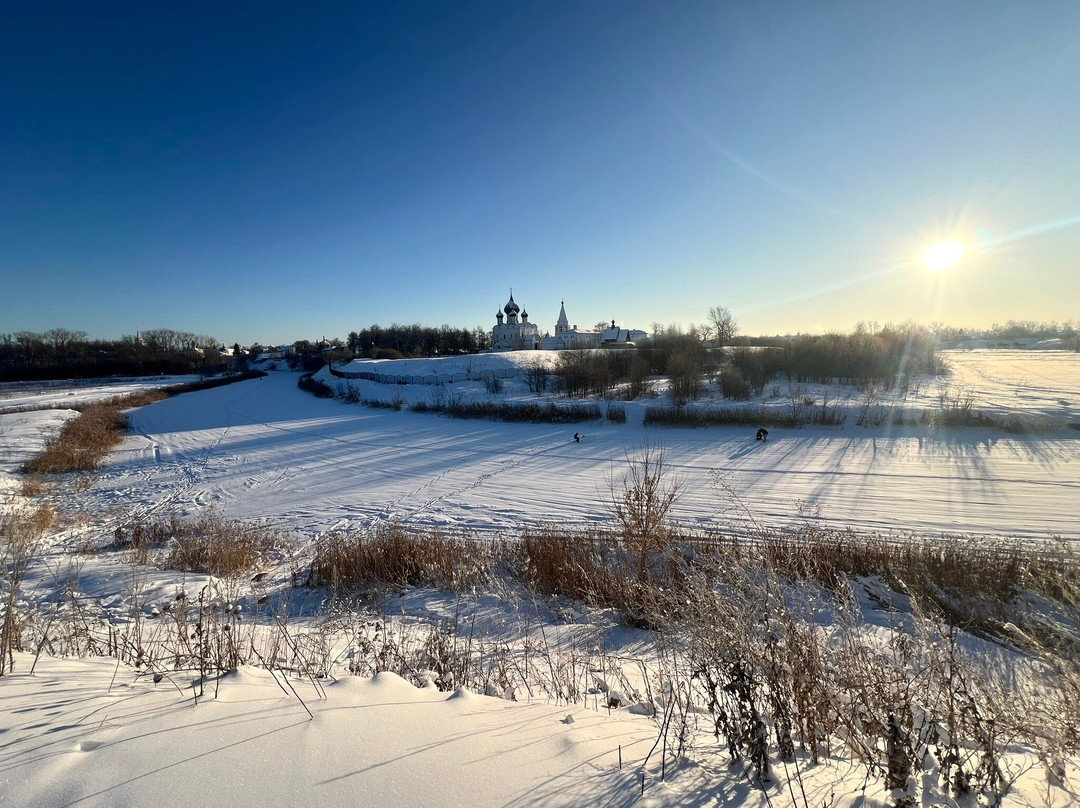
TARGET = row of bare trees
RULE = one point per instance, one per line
(1068, 332)
(719, 329)
(64, 353)
(606, 372)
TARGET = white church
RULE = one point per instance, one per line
(514, 332)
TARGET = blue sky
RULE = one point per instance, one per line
(276, 172)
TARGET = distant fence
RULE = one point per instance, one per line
(432, 379)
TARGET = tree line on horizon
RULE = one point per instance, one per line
(60, 353)
(417, 340)
(867, 351)
(1068, 332)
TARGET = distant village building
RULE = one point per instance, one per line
(615, 337)
(566, 338)
(516, 334)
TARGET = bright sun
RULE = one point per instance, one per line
(943, 256)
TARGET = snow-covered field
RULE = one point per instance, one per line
(1021, 381)
(23, 395)
(83, 733)
(265, 450)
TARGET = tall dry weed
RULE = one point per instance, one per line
(219, 546)
(397, 555)
(21, 535)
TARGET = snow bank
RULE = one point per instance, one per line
(510, 362)
(81, 732)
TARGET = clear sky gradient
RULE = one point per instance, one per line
(276, 172)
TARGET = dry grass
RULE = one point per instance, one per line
(28, 525)
(528, 412)
(21, 534)
(741, 619)
(142, 537)
(720, 416)
(766, 636)
(597, 568)
(82, 443)
(218, 546)
(589, 567)
(1017, 594)
(979, 584)
(401, 556)
(32, 486)
(85, 441)
(773, 682)
(210, 543)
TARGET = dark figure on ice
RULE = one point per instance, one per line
(762, 434)
(577, 438)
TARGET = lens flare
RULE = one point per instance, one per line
(943, 256)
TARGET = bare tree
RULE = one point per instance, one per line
(31, 348)
(482, 337)
(724, 325)
(63, 342)
(536, 374)
(642, 501)
(684, 368)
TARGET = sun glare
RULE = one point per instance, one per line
(943, 256)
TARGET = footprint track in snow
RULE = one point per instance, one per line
(525, 457)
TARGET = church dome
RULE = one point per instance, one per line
(511, 307)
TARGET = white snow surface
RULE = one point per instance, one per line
(450, 365)
(90, 733)
(70, 393)
(83, 733)
(263, 449)
(82, 737)
(1044, 382)
(22, 435)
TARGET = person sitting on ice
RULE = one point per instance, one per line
(577, 437)
(762, 434)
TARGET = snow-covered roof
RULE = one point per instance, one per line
(616, 335)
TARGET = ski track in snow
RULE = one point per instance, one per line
(264, 450)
